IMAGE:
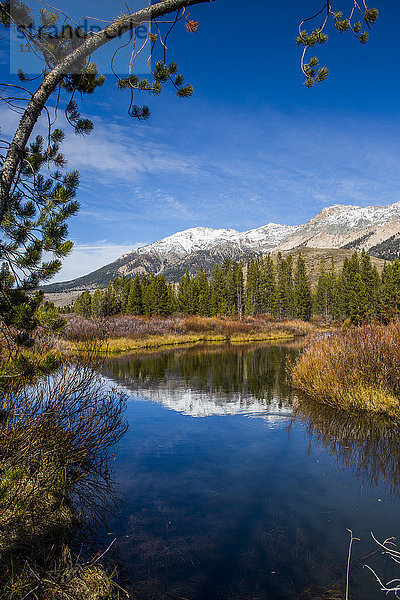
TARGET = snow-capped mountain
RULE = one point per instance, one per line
(341, 226)
(200, 239)
(374, 228)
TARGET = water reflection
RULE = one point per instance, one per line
(252, 380)
(368, 445)
(254, 504)
(204, 381)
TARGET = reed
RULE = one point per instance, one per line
(352, 369)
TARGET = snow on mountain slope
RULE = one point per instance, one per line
(206, 238)
(334, 219)
(268, 236)
(341, 226)
(374, 228)
(192, 240)
(334, 227)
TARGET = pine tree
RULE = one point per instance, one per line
(213, 303)
(109, 304)
(390, 290)
(284, 290)
(325, 299)
(321, 293)
(340, 305)
(267, 286)
(134, 304)
(161, 297)
(83, 304)
(359, 302)
(239, 288)
(218, 289)
(172, 301)
(148, 294)
(203, 293)
(96, 303)
(229, 269)
(371, 281)
(302, 292)
(183, 293)
(193, 297)
(252, 288)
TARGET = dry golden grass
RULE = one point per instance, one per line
(354, 369)
(129, 334)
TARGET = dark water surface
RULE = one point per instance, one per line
(233, 487)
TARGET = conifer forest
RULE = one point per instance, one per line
(279, 287)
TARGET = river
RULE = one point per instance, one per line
(234, 487)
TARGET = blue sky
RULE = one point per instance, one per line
(252, 145)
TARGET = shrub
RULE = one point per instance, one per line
(354, 368)
(79, 329)
(55, 475)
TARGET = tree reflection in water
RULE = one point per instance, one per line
(217, 508)
(367, 444)
(248, 372)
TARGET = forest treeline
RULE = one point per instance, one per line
(280, 288)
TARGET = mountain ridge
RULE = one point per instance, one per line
(373, 228)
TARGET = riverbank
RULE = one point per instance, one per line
(116, 335)
(353, 369)
(56, 483)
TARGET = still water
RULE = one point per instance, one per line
(234, 487)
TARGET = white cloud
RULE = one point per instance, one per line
(113, 155)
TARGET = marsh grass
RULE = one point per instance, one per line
(353, 369)
(127, 333)
(55, 477)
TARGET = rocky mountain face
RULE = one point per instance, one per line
(375, 229)
(351, 227)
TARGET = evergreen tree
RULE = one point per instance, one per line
(161, 297)
(134, 304)
(218, 289)
(203, 293)
(109, 304)
(252, 288)
(325, 299)
(150, 295)
(193, 297)
(213, 303)
(390, 290)
(321, 293)
(239, 289)
(285, 296)
(371, 281)
(83, 304)
(302, 292)
(172, 301)
(183, 293)
(230, 288)
(268, 286)
(358, 304)
(96, 303)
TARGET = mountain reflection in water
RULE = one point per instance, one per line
(253, 499)
(204, 381)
